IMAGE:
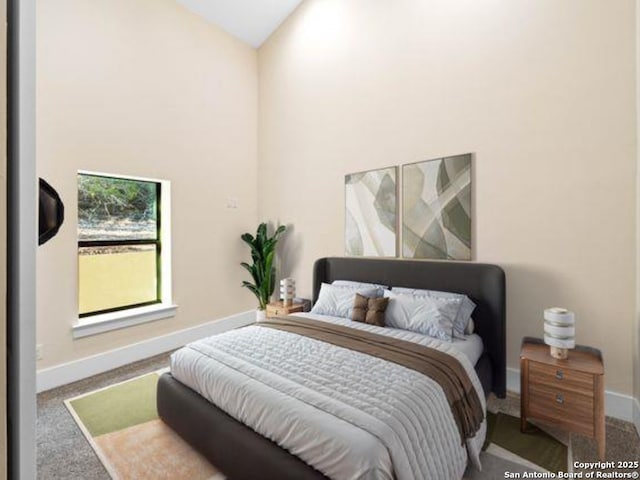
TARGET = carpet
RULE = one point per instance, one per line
(121, 424)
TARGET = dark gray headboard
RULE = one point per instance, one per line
(483, 283)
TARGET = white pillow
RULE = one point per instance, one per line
(352, 284)
(422, 314)
(338, 301)
(471, 326)
(463, 317)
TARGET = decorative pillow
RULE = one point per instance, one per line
(369, 310)
(338, 301)
(463, 317)
(352, 284)
(423, 314)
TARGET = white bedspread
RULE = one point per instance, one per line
(348, 414)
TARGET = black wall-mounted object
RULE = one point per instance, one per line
(51, 213)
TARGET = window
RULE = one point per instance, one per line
(119, 243)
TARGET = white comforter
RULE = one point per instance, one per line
(348, 414)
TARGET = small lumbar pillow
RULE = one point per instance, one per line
(369, 310)
(338, 301)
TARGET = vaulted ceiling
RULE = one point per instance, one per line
(252, 21)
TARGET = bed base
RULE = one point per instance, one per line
(232, 447)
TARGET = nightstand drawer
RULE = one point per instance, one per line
(272, 311)
(279, 309)
(559, 377)
(564, 407)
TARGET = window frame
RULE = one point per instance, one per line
(157, 243)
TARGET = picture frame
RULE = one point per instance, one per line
(437, 209)
(371, 213)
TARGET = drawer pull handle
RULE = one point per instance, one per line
(560, 398)
(559, 374)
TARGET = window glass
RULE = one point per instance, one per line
(118, 243)
(115, 277)
(116, 209)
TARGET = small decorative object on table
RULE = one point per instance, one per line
(568, 393)
(559, 331)
(287, 290)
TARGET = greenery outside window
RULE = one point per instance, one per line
(119, 243)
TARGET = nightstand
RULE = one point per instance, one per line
(568, 393)
(279, 308)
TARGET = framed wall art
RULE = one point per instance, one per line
(436, 211)
(371, 213)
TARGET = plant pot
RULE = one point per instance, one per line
(261, 315)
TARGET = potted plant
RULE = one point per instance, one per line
(262, 270)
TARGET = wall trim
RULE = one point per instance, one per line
(636, 414)
(58, 375)
(105, 322)
(616, 404)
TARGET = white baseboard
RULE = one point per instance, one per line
(616, 404)
(65, 373)
(636, 414)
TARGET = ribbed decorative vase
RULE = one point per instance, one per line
(559, 331)
(287, 291)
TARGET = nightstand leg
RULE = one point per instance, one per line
(601, 448)
(524, 393)
(600, 431)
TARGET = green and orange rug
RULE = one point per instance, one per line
(122, 425)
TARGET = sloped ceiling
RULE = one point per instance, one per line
(252, 21)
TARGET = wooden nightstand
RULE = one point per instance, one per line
(278, 308)
(568, 393)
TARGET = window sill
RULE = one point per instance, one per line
(106, 322)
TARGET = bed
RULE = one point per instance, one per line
(242, 453)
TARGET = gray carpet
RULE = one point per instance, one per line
(63, 452)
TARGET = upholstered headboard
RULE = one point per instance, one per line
(483, 283)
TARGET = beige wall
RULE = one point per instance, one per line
(145, 88)
(543, 92)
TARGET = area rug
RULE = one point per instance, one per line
(507, 449)
(121, 424)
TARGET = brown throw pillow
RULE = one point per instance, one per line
(369, 310)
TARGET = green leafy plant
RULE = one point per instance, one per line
(262, 270)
